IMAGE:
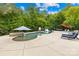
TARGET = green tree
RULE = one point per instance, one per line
(56, 20)
(72, 17)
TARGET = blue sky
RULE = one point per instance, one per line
(49, 7)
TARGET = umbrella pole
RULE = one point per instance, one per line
(22, 35)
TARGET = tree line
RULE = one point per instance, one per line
(13, 17)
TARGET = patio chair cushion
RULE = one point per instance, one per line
(72, 35)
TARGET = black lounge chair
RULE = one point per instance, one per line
(70, 36)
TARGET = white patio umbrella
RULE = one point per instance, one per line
(22, 28)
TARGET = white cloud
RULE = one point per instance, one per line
(53, 4)
(41, 9)
(38, 4)
(52, 12)
(47, 5)
(22, 7)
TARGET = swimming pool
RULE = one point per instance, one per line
(28, 36)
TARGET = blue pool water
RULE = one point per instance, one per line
(28, 36)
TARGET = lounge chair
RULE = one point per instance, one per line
(72, 35)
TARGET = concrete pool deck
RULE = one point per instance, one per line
(45, 45)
